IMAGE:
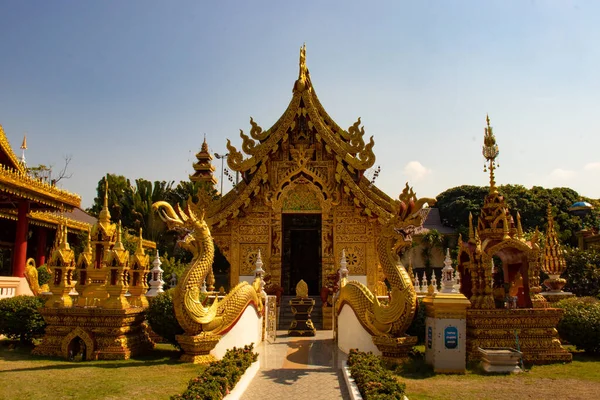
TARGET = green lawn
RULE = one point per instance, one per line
(577, 380)
(159, 375)
(155, 376)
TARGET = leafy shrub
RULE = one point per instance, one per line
(220, 376)
(43, 275)
(417, 327)
(20, 318)
(583, 272)
(373, 380)
(161, 317)
(580, 325)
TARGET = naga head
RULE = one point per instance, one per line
(190, 226)
(408, 215)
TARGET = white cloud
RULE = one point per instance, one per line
(560, 174)
(415, 171)
(593, 166)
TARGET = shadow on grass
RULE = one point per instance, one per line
(413, 368)
(14, 351)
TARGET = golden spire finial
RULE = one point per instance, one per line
(140, 248)
(490, 152)
(505, 231)
(24, 144)
(64, 244)
(105, 213)
(119, 244)
(471, 233)
(519, 227)
(303, 69)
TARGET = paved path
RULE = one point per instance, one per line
(299, 368)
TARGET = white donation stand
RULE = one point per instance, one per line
(446, 325)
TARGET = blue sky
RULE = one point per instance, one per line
(131, 87)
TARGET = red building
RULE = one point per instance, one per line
(30, 210)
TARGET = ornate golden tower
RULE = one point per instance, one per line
(117, 267)
(138, 270)
(554, 261)
(203, 169)
(85, 262)
(62, 265)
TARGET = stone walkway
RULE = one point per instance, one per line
(299, 368)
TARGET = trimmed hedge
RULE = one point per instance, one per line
(20, 318)
(580, 325)
(374, 381)
(221, 376)
(43, 275)
(161, 317)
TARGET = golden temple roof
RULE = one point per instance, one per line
(203, 169)
(15, 180)
(306, 121)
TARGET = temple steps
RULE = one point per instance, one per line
(286, 316)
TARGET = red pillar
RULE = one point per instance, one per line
(41, 246)
(20, 251)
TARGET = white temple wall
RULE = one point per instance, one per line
(248, 329)
(352, 335)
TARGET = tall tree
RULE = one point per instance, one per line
(456, 203)
(118, 188)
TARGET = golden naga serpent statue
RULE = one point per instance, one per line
(393, 319)
(189, 304)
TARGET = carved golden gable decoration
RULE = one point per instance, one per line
(305, 163)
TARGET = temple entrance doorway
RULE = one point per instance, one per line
(301, 252)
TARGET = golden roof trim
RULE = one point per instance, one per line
(5, 146)
(47, 219)
(20, 184)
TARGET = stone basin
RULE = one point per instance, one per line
(500, 359)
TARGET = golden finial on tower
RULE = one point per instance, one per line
(105, 213)
(302, 62)
(119, 244)
(490, 152)
(64, 245)
(505, 230)
(302, 82)
(23, 148)
(519, 227)
(140, 248)
(471, 233)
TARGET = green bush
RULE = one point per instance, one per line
(221, 376)
(43, 275)
(373, 380)
(580, 325)
(417, 327)
(20, 318)
(161, 317)
(583, 272)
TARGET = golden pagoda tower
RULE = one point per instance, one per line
(85, 262)
(554, 261)
(117, 267)
(203, 169)
(139, 264)
(101, 240)
(62, 265)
